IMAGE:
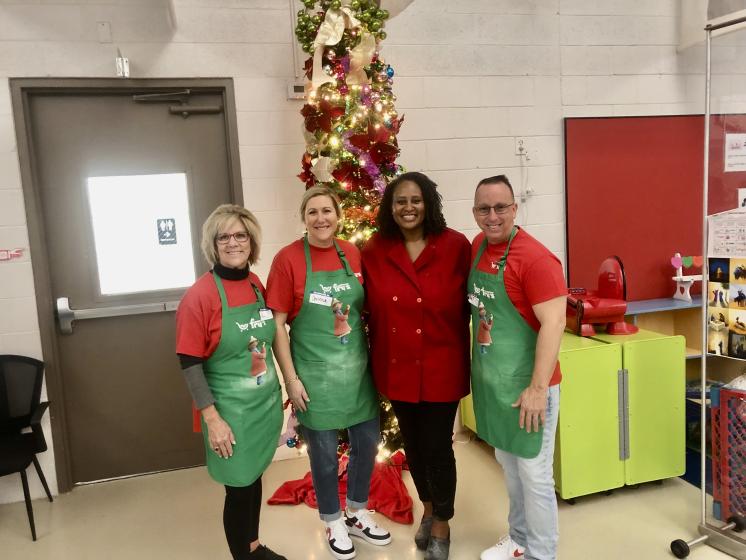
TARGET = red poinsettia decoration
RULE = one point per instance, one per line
(376, 143)
(306, 176)
(354, 177)
(396, 124)
(321, 116)
(357, 214)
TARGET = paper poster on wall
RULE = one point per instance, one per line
(726, 307)
(726, 286)
(742, 198)
(735, 152)
(726, 233)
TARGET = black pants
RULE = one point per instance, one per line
(241, 517)
(427, 429)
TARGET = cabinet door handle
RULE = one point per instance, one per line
(627, 452)
(620, 411)
(623, 409)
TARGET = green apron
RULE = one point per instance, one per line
(501, 370)
(330, 351)
(252, 409)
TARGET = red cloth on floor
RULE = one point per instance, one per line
(388, 494)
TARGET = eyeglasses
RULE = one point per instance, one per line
(499, 209)
(224, 238)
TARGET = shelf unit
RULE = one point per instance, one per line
(671, 316)
(676, 317)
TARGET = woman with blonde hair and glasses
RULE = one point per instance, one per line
(240, 402)
(315, 286)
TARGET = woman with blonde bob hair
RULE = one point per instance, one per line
(241, 411)
(217, 221)
(315, 286)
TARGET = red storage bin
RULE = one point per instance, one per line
(728, 419)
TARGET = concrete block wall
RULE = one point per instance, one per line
(472, 76)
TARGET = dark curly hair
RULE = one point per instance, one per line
(434, 222)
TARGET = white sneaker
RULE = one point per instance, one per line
(338, 540)
(360, 524)
(505, 549)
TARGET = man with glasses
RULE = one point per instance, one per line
(515, 380)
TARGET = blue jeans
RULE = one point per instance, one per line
(322, 450)
(530, 482)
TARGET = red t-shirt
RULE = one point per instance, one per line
(200, 313)
(532, 275)
(286, 282)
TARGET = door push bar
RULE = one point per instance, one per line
(66, 316)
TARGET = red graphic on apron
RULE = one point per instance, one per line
(484, 338)
(258, 360)
(341, 326)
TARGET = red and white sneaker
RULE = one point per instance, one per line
(339, 541)
(360, 524)
(505, 549)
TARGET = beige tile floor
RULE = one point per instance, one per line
(177, 515)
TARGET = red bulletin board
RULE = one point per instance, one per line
(634, 189)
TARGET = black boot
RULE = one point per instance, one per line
(437, 548)
(422, 536)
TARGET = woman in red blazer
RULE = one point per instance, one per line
(415, 271)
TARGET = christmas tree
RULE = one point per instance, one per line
(350, 124)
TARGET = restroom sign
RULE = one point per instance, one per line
(166, 231)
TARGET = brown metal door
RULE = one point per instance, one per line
(126, 407)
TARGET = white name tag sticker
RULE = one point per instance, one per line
(265, 314)
(473, 299)
(320, 299)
